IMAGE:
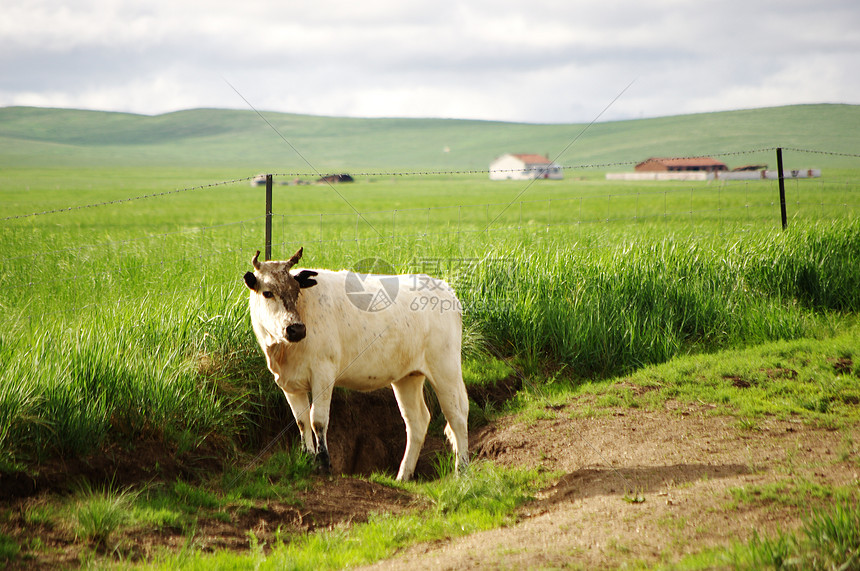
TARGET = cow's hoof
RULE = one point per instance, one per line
(323, 464)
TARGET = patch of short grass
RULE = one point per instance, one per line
(102, 518)
(40, 513)
(485, 370)
(192, 498)
(805, 378)
(482, 488)
(828, 539)
(98, 514)
(278, 477)
(794, 492)
(483, 497)
(9, 548)
(849, 451)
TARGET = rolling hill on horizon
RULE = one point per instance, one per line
(278, 142)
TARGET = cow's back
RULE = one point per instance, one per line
(374, 330)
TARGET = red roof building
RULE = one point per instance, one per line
(703, 164)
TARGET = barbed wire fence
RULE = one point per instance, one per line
(404, 173)
(158, 255)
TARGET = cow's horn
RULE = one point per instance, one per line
(295, 259)
(256, 262)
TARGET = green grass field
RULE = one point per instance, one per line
(596, 277)
(126, 320)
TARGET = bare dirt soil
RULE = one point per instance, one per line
(645, 487)
(631, 486)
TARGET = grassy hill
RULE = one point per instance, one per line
(37, 137)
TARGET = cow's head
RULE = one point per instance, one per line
(274, 294)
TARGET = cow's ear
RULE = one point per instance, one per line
(251, 280)
(305, 278)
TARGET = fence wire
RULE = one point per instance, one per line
(404, 173)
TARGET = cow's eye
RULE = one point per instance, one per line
(268, 294)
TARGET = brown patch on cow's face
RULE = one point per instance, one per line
(275, 293)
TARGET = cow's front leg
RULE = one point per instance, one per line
(319, 419)
(301, 407)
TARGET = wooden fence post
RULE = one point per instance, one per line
(268, 217)
(781, 187)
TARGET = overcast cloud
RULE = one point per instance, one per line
(554, 61)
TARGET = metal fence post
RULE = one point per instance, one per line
(781, 187)
(268, 217)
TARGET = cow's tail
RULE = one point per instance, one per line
(449, 433)
(460, 449)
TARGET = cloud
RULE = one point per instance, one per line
(542, 61)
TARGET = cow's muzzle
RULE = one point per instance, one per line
(296, 332)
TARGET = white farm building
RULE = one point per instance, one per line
(524, 167)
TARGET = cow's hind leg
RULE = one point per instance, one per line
(409, 392)
(454, 402)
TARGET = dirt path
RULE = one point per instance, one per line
(684, 463)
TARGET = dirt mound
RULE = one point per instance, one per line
(640, 487)
(145, 461)
(367, 433)
(495, 394)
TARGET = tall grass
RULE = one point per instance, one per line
(606, 311)
(123, 374)
(817, 267)
(185, 370)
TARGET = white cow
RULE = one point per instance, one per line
(320, 329)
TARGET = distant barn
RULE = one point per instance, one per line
(259, 180)
(693, 164)
(524, 167)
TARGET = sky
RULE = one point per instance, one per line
(536, 61)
